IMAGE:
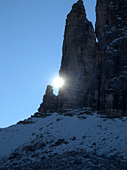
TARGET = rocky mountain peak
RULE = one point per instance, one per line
(76, 15)
(95, 77)
(78, 60)
(78, 8)
(49, 101)
(94, 73)
(49, 90)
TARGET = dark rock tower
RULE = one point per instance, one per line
(49, 101)
(111, 31)
(94, 73)
(79, 58)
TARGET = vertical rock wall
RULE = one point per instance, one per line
(79, 58)
(111, 31)
(95, 74)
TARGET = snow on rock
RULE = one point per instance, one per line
(56, 134)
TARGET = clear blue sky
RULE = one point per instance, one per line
(31, 38)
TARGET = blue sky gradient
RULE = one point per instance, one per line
(31, 38)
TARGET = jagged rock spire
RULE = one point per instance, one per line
(49, 101)
(78, 8)
(74, 25)
(95, 74)
(78, 60)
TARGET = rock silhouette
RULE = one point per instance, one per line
(95, 73)
(49, 101)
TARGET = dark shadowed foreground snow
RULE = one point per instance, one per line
(77, 139)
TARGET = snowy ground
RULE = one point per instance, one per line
(74, 131)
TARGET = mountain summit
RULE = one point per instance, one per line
(95, 73)
(68, 132)
(78, 60)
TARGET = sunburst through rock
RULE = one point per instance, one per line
(58, 82)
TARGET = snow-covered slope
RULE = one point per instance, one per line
(77, 138)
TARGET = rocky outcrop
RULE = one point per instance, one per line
(79, 58)
(111, 31)
(94, 73)
(49, 101)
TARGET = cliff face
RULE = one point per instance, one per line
(94, 73)
(79, 58)
(111, 31)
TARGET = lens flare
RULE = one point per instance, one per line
(58, 82)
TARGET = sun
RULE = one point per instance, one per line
(58, 82)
